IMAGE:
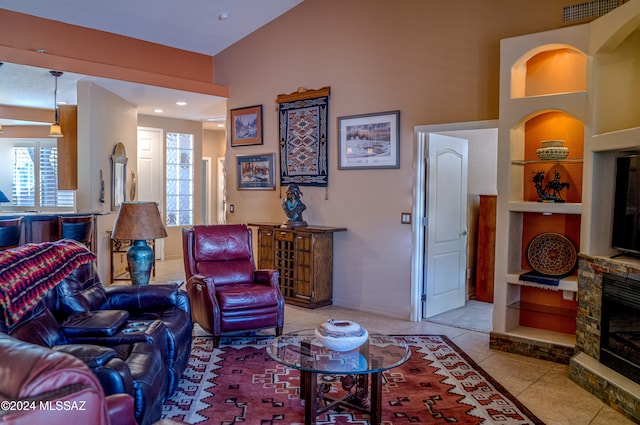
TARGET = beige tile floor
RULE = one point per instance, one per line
(544, 387)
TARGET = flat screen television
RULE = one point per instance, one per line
(626, 205)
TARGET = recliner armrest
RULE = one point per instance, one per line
(91, 355)
(267, 277)
(120, 409)
(113, 373)
(91, 323)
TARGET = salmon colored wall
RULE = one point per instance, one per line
(82, 50)
(556, 71)
(557, 126)
(545, 309)
(436, 62)
(534, 224)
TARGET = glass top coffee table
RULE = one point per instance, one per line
(303, 351)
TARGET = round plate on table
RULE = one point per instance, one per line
(552, 254)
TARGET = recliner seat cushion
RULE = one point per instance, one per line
(227, 272)
(246, 296)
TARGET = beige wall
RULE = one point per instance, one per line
(436, 62)
(104, 119)
(213, 146)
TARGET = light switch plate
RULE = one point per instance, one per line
(405, 218)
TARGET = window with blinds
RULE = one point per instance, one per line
(179, 183)
(35, 177)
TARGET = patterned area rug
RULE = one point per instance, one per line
(239, 382)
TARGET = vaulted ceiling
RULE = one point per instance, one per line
(203, 26)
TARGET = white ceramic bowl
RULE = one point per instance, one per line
(341, 335)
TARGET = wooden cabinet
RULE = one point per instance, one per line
(68, 148)
(485, 262)
(304, 258)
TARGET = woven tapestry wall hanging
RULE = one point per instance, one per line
(303, 119)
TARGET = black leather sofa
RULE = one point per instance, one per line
(137, 340)
(83, 292)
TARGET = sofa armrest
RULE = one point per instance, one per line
(150, 297)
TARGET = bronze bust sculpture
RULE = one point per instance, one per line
(293, 207)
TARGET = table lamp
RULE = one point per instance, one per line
(139, 222)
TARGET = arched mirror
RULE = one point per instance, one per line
(118, 176)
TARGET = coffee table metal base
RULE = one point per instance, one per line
(317, 402)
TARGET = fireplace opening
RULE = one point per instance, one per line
(620, 325)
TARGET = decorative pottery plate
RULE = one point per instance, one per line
(552, 254)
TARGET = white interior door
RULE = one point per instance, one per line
(446, 239)
(151, 173)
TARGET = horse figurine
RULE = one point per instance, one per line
(550, 192)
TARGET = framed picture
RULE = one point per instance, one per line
(369, 141)
(256, 172)
(246, 126)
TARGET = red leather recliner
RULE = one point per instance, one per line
(42, 386)
(227, 293)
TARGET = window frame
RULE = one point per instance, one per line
(38, 145)
(176, 180)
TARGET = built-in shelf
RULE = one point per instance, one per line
(546, 161)
(542, 308)
(543, 336)
(569, 283)
(545, 207)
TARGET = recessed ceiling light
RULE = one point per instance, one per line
(181, 103)
(158, 111)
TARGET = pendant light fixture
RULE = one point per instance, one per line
(55, 130)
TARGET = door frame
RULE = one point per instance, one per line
(206, 189)
(159, 160)
(418, 228)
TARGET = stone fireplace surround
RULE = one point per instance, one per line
(585, 368)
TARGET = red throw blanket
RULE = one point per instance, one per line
(28, 272)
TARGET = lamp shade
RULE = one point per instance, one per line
(138, 221)
(55, 131)
(3, 197)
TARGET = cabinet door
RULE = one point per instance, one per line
(303, 285)
(284, 261)
(265, 248)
